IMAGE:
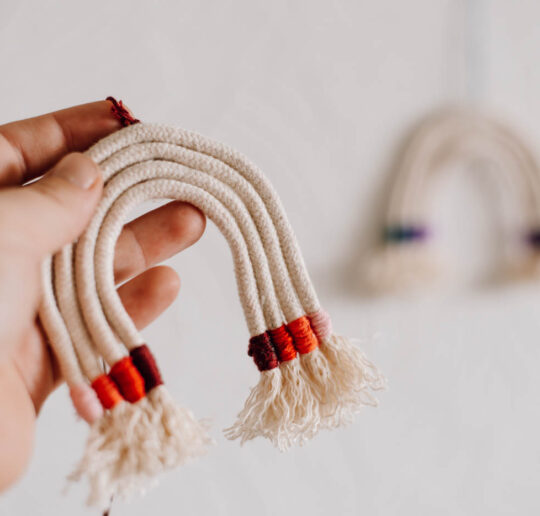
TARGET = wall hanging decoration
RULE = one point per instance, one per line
(310, 377)
(461, 130)
(407, 256)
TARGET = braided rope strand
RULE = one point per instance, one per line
(208, 149)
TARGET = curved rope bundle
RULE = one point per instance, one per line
(407, 257)
(310, 378)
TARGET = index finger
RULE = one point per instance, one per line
(29, 147)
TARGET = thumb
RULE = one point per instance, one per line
(42, 217)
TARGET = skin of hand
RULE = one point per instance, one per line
(38, 219)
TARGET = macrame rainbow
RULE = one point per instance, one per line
(310, 378)
(406, 257)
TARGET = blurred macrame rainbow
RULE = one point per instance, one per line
(310, 378)
(407, 257)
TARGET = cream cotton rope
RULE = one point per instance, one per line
(271, 308)
(192, 149)
(310, 378)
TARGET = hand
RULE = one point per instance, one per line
(38, 219)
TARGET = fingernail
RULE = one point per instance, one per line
(78, 170)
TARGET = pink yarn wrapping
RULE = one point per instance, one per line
(86, 402)
(321, 324)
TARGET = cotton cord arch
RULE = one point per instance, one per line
(406, 256)
(310, 378)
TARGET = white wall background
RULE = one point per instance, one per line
(319, 94)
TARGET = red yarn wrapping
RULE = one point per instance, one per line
(129, 381)
(283, 342)
(122, 113)
(304, 339)
(106, 391)
(263, 353)
(146, 364)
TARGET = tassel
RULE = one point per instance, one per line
(347, 378)
(304, 417)
(353, 378)
(181, 436)
(297, 391)
(116, 460)
(316, 370)
(281, 407)
(266, 413)
(125, 448)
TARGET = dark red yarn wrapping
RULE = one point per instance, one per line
(146, 364)
(283, 343)
(120, 112)
(263, 353)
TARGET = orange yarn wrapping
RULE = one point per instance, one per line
(106, 391)
(129, 380)
(304, 339)
(283, 342)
